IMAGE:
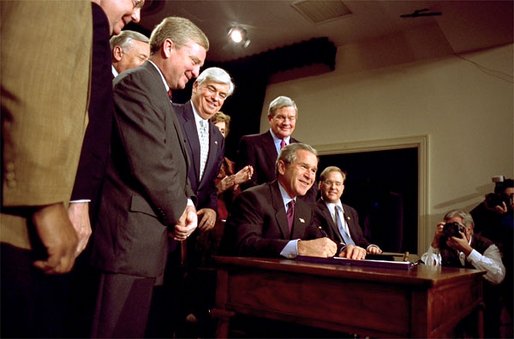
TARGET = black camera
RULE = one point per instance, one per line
(495, 199)
(450, 229)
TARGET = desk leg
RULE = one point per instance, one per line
(219, 311)
(223, 322)
(480, 320)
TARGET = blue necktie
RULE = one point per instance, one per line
(346, 237)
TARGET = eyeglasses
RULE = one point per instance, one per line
(330, 183)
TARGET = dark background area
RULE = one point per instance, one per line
(383, 187)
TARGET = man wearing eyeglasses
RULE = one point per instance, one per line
(340, 221)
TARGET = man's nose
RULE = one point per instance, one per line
(136, 15)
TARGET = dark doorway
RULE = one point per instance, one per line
(383, 187)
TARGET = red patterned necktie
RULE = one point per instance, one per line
(282, 143)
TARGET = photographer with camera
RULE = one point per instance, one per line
(494, 220)
(493, 216)
(455, 245)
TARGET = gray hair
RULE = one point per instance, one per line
(180, 31)
(279, 102)
(467, 219)
(218, 75)
(125, 38)
(330, 169)
(288, 154)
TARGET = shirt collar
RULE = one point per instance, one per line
(331, 206)
(196, 115)
(114, 71)
(277, 139)
(285, 196)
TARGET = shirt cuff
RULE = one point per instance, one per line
(79, 201)
(473, 256)
(290, 251)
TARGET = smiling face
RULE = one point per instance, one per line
(332, 187)
(208, 97)
(298, 177)
(121, 12)
(182, 62)
(283, 121)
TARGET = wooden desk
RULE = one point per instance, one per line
(420, 302)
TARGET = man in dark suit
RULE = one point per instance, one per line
(339, 221)
(146, 203)
(261, 150)
(269, 220)
(210, 90)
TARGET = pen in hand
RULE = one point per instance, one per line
(323, 233)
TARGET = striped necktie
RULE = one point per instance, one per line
(346, 237)
(204, 145)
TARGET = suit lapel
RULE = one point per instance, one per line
(350, 222)
(214, 147)
(192, 137)
(280, 211)
(302, 217)
(271, 156)
(331, 223)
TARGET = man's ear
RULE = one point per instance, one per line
(281, 167)
(167, 46)
(195, 87)
(117, 53)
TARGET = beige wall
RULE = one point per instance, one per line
(382, 90)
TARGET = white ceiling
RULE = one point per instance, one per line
(467, 25)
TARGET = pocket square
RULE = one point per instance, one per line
(301, 220)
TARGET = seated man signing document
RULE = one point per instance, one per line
(269, 221)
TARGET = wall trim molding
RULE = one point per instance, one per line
(420, 142)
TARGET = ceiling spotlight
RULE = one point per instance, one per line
(238, 36)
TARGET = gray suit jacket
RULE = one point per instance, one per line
(146, 188)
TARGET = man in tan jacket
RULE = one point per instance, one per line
(45, 61)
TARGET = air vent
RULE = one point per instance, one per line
(319, 11)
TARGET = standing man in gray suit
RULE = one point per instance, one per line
(146, 204)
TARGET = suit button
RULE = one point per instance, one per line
(9, 167)
(11, 183)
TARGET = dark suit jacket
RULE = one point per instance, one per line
(258, 150)
(257, 225)
(323, 218)
(96, 145)
(146, 187)
(205, 190)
